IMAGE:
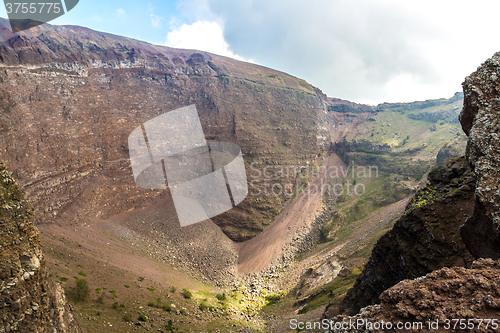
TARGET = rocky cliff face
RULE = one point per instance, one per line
(470, 296)
(480, 119)
(426, 238)
(70, 97)
(29, 302)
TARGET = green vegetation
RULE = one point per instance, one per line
(142, 318)
(273, 298)
(82, 290)
(379, 192)
(170, 326)
(405, 138)
(186, 293)
(221, 297)
(100, 299)
(203, 305)
(127, 317)
(160, 305)
(423, 197)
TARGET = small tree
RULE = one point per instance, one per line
(82, 289)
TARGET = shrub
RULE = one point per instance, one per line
(167, 307)
(115, 305)
(82, 273)
(127, 317)
(173, 289)
(142, 318)
(100, 299)
(221, 297)
(63, 279)
(186, 293)
(203, 306)
(82, 289)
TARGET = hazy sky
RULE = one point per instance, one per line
(365, 51)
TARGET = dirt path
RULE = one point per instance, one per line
(258, 252)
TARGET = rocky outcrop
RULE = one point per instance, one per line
(480, 120)
(344, 106)
(452, 149)
(446, 300)
(29, 302)
(425, 238)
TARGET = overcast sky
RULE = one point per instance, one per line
(364, 51)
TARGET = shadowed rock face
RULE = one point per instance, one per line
(29, 301)
(425, 238)
(480, 120)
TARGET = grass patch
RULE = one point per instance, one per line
(274, 298)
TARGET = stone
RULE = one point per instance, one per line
(480, 121)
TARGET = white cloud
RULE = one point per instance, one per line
(203, 36)
(365, 50)
(120, 11)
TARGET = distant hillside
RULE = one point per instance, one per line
(403, 141)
